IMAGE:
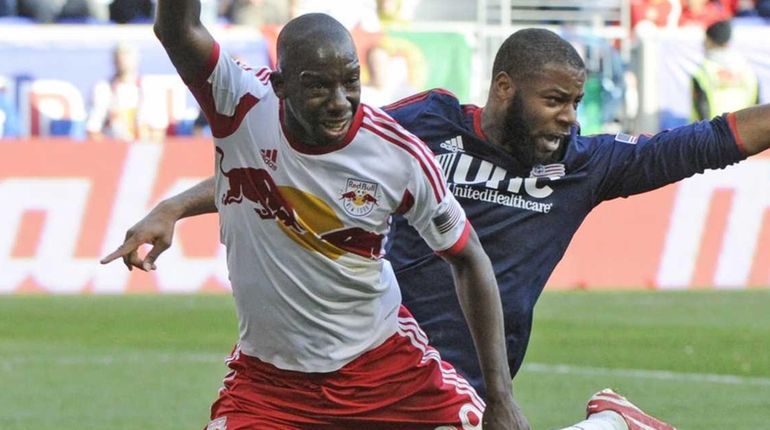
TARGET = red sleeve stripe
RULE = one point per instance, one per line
(732, 122)
(460, 243)
(384, 120)
(222, 125)
(427, 161)
(212, 62)
(390, 124)
(263, 75)
(415, 147)
(437, 191)
(407, 201)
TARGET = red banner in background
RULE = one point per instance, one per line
(66, 204)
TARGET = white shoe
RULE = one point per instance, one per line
(636, 419)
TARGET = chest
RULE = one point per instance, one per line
(325, 193)
(493, 186)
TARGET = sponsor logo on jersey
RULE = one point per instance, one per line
(474, 179)
(454, 144)
(359, 197)
(551, 171)
(270, 157)
(257, 186)
(626, 138)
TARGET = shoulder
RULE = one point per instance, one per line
(437, 100)
(583, 148)
(393, 135)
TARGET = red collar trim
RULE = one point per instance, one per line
(477, 123)
(304, 148)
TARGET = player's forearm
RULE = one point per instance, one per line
(175, 17)
(480, 300)
(197, 200)
(754, 128)
(186, 40)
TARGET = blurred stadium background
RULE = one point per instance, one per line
(663, 296)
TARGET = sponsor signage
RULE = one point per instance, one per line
(65, 204)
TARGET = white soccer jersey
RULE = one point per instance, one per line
(305, 226)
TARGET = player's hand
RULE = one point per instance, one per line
(504, 415)
(156, 229)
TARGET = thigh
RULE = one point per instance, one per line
(254, 396)
(404, 384)
(237, 421)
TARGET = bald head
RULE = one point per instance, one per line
(318, 79)
(311, 38)
(528, 51)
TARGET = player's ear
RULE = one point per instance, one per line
(503, 86)
(278, 83)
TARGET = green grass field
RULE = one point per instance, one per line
(701, 360)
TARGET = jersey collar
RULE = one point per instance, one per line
(476, 113)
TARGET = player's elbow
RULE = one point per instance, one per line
(163, 33)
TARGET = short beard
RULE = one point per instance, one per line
(517, 135)
(518, 138)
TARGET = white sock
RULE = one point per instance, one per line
(605, 420)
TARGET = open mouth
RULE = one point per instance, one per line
(550, 143)
(335, 126)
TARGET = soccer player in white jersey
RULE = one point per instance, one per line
(306, 181)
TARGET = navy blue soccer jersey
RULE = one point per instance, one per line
(525, 216)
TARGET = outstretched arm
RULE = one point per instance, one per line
(480, 300)
(625, 167)
(187, 42)
(157, 228)
(754, 128)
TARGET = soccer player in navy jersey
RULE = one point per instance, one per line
(525, 177)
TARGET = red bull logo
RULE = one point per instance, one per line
(257, 186)
(359, 197)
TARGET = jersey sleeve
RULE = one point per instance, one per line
(227, 90)
(415, 112)
(432, 209)
(628, 165)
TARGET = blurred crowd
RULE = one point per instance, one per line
(703, 13)
(118, 109)
(367, 13)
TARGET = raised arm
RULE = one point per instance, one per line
(628, 166)
(480, 300)
(754, 128)
(157, 228)
(186, 40)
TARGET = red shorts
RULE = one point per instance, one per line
(401, 384)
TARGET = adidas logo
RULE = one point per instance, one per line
(269, 156)
(454, 144)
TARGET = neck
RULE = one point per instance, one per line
(491, 124)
